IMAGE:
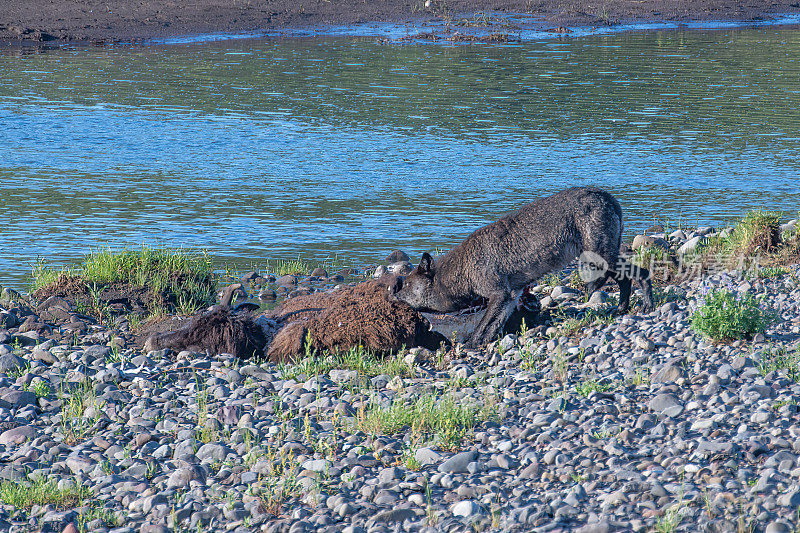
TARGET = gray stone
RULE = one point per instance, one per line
(18, 398)
(667, 308)
(343, 376)
(669, 373)
(389, 476)
(96, 352)
(530, 472)
(394, 516)
(598, 298)
(778, 527)
(212, 452)
(666, 404)
(560, 292)
(601, 526)
(707, 448)
(790, 499)
(319, 272)
(466, 508)
(180, 478)
(458, 463)
(426, 456)
(286, 281)
(17, 435)
(401, 268)
(690, 245)
(644, 344)
(317, 465)
(79, 464)
(11, 362)
(397, 256)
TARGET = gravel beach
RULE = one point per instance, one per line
(632, 423)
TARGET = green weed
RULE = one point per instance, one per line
(774, 360)
(723, 314)
(74, 425)
(365, 363)
(441, 416)
(182, 279)
(41, 492)
(588, 387)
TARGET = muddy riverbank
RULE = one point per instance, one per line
(98, 21)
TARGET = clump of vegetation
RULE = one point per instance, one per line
(723, 314)
(147, 280)
(587, 387)
(758, 231)
(296, 266)
(780, 359)
(41, 492)
(75, 425)
(772, 272)
(442, 416)
(752, 243)
(363, 361)
(303, 267)
(279, 483)
(755, 234)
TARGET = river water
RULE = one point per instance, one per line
(317, 148)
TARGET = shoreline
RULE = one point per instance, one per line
(632, 423)
(60, 22)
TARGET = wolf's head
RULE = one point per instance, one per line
(418, 288)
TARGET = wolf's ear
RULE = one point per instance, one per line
(426, 265)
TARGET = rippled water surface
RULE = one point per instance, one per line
(260, 150)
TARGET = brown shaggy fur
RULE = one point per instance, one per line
(363, 314)
(220, 330)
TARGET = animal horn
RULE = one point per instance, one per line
(227, 296)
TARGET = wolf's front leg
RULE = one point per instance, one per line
(500, 307)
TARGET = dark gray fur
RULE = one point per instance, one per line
(498, 261)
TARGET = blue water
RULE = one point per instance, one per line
(257, 150)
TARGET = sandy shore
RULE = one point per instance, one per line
(133, 20)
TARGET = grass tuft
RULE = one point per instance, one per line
(41, 492)
(363, 361)
(177, 280)
(441, 416)
(758, 231)
(74, 424)
(780, 359)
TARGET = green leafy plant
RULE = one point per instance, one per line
(74, 423)
(757, 231)
(723, 314)
(364, 362)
